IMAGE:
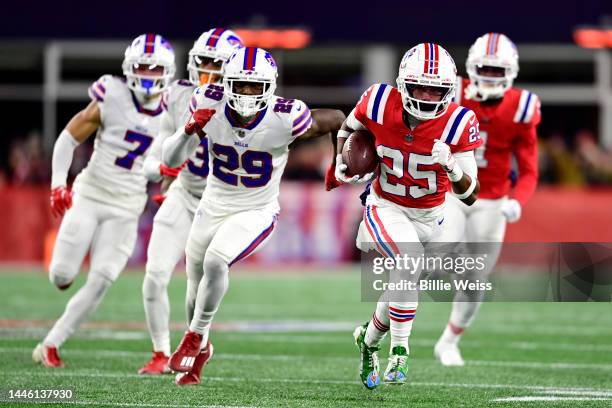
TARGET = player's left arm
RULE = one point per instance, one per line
(461, 169)
(525, 150)
(456, 156)
(324, 121)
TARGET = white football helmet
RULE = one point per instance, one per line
(491, 50)
(217, 44)
(250, 64)
(154, 51)
(427, 64)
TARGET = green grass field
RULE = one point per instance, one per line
(284, 340)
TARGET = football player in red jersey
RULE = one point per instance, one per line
(508, 118)
(425, 143)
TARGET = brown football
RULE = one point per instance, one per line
(359, 153)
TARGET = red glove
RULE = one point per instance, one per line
(198, 120)
(170, 171)
(331, 181)
(60, 200)
(159, 198)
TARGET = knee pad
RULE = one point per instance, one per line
(214, 266)
(155, 282)
(62, 275)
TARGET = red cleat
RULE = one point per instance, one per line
(47, 356)
(193, 377)
(157, 365)
(183, 359)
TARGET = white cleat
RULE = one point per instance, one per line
(448, 354)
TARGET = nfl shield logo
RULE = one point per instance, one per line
(240, 133)
(409, 138)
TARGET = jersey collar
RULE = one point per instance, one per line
(230, 115)
(149, 112)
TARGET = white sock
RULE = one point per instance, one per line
(401, 315)
(378, 326)
(211, 290)
(157, 311)
(452, 334)
(78, 308)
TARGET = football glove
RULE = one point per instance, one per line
(60, 201)
(198, 120)
(511, 210)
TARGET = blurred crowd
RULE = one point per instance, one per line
(576, 161)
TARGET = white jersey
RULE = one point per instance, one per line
(247, 161)
(114, 173)
(176, 113)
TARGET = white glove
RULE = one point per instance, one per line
(341, 176)
(442, 155)
(511, 210)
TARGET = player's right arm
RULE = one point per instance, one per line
(184, 141)
(78, 129)
(354, 121)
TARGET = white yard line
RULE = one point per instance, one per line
(303, 358)
(538, 398)
(322, 338)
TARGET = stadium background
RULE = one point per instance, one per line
(283, 330)
(46, 66)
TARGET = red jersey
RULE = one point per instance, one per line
(408, 175)
(506, 128)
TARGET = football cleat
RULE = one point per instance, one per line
(368, 365)
(158, 364)
(183, 359)
(47, 356)
(398, 366)
(448, 354)
(193, 377)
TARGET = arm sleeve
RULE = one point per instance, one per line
(467, 161)
(525, 150)
(62, 158)
(154, 158)
(178, 147)
(301, 119)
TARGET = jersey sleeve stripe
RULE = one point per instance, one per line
(304, 116)
(302, 129)
(448, 134)
(94, 93)
(528, 107)
(466, 116)
(376, 104)
(523, 107)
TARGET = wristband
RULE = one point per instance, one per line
(343, 134)
(456, 174)
(467, 192)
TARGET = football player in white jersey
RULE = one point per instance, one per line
(173, 219)
(110, 193)
(249, 131)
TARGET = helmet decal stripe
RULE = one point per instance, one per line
(496, 43)
(426, 63)
(489, 36)
(214, 37)
(250, 57)
(493, 40)
(149, 47)
(435, 59)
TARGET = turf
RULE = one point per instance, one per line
(298, 350)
